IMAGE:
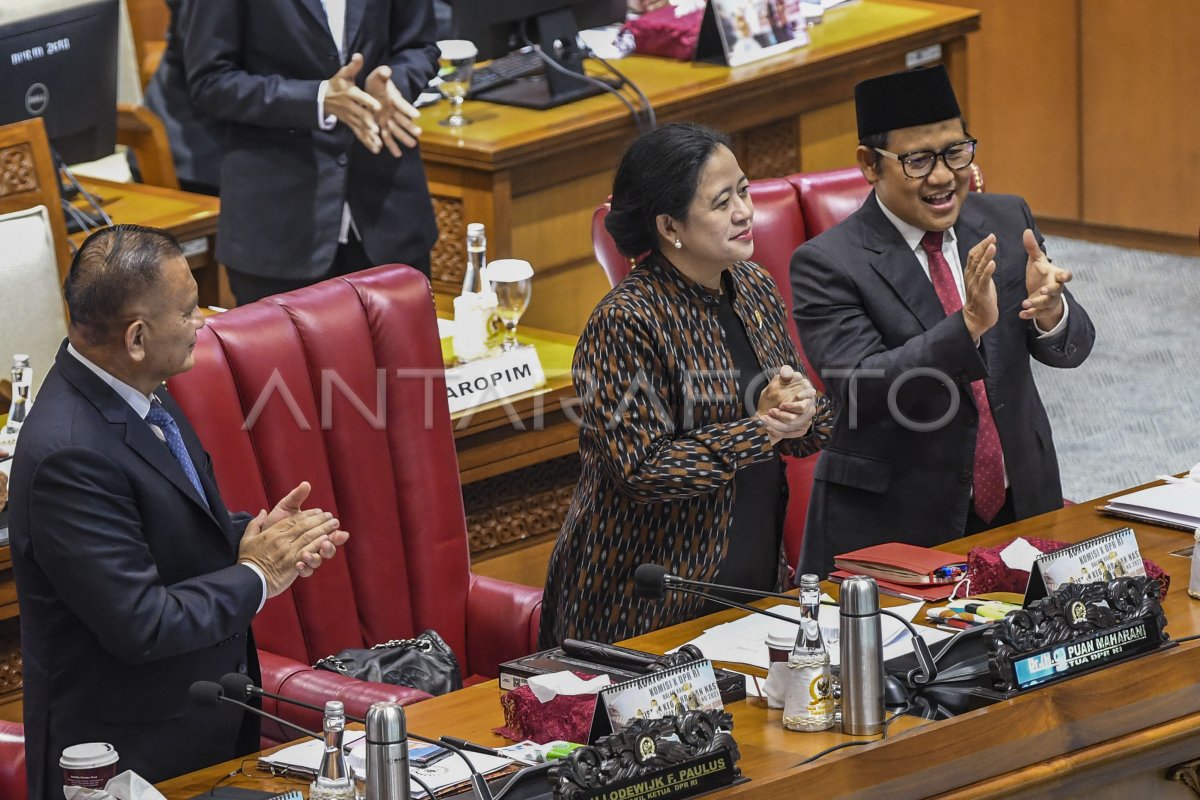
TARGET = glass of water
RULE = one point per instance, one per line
(456, 64)
(512, 281)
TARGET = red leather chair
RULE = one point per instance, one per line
(342, 384)
(12, 760)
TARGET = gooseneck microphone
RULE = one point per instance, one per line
(240, 685)
(653, 581)
(209, 693)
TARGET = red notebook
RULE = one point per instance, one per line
(929, 594)
(905, 564)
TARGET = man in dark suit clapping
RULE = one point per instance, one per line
(133, 578)
(921, 312)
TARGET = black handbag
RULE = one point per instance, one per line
(425, 662)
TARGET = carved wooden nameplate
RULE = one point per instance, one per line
(1079, 627)
(653, 759)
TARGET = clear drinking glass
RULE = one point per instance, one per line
(456, 64)
(512, 281)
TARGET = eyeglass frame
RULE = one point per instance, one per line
(936, 155)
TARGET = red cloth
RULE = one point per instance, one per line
(988, 573)
(661, 33)
(989, 458)
(566, 718)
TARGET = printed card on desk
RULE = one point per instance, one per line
(687, 687)
(1101, 558)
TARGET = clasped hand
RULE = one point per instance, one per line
(787, 405)
(290, 542)
(378, 114)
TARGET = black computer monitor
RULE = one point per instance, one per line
(498, 27)
(61, 65)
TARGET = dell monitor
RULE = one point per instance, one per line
(498, 27)
(60, 64)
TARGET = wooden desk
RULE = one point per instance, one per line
(534, 177)
(1110, 734)
(191, 218)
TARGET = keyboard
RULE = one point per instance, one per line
(505, 70)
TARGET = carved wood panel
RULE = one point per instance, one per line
(17, 173)
(769, 151)
(518, 506)
(11, 680)
(449, 257)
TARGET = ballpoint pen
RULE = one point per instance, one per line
(463, 744)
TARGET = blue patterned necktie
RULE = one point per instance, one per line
(166, 423)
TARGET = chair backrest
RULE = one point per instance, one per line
(12, 759)
(342, 384)
(28, 178)
(33, 319)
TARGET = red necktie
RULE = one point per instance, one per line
(989, 458)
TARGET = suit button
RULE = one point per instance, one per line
(242, 667)
(343, 159)
(964, 476)
(1070, 349)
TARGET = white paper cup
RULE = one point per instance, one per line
(90, 765)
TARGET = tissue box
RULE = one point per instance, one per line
(565, 718)
(989, 573)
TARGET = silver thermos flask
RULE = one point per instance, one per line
(862, 657)
(387, 752)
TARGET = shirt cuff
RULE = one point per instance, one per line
(262, 579)
(1057, 329)
(325, 122)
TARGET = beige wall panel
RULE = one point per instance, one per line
(1141, 153)
(828, 137)
(1023, 92)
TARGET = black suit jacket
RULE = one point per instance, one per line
(898, 466)
(257, 64)
(128, 585)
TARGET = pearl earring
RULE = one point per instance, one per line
(678, 245)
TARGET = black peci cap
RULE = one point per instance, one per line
(904, 99)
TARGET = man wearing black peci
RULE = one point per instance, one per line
(921, 312)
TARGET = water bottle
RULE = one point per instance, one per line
(808, 704)
(475, 308)
(387, 752)
(22, 393)
(862, 657)
(334, 781)
(1194, 581)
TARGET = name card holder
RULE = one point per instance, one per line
(487, 380)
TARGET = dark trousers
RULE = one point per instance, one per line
(350, 258)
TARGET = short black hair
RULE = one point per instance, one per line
(113, 268)
(658, 174)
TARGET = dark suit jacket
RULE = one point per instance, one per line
(863, 302)
(196, 138)
(128, 584)
(257, 64)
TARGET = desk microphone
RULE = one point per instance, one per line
(210, 693)
(652, 581)
(240, 685)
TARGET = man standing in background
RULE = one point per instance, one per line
(321, 175)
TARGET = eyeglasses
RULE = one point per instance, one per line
(919, 163)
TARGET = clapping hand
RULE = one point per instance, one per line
(981, 309)
(319, 551)
(1044, 282)
(396, 116)
(353, 106)
(787, 405)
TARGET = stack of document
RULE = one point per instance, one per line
(744, 640)
(1176, 505)
(305, 758)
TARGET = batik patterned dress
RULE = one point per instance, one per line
(663, 433)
